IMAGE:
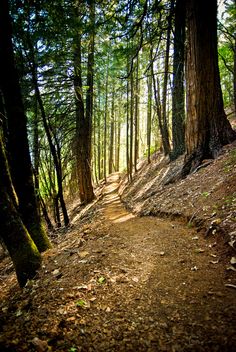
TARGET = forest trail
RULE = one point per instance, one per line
(124, 283)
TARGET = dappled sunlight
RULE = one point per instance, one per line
(123, 218)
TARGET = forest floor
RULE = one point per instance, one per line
(118, 281)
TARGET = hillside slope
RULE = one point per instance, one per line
(206, 198)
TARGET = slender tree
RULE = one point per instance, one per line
(178, 96)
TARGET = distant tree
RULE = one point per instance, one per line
(17, 142)
(207, 127)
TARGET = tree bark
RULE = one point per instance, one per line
(207, 127)
(18, 148)
(112, 127)
(84, 119)
(178, 96)
(23, 251)
(136, 116)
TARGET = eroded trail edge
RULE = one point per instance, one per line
(126, 283)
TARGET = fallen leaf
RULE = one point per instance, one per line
(135, 279)
(83, 254)
(214, 261)
(233, 260)
(195, 238)
(40, 345)
(230, 285)
(199, 250)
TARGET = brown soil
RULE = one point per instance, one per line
(118, 282)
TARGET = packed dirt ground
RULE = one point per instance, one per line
(121, 281)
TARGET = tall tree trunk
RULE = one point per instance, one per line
(165, 130)
(136, 116)
(112, 125)
(118, 137)
(149, 110)
(127, 131)
(131, 136)
(207, 127)
(23, 251)
(105, 123)
(19, 160)
(99, 134)
(178, 108)
(84, 119)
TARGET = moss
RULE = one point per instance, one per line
(27, 260)
(39, 235)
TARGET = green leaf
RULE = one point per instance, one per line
(81, 303)
(72, 349)
(101, 280)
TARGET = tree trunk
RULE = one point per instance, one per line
(149, 111)
(136, 117)
(207, 127)
(178, 108)
(165, 130)
(23, 251)
(84, 119)
(19, 158)
(131, 136)
(127, 132)
(105, 124)
(112, 125)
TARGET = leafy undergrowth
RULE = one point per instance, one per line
(115, 281)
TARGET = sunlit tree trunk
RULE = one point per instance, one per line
(207, 127)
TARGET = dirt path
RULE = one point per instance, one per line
(125, 284)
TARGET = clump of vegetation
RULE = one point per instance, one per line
(231, 162)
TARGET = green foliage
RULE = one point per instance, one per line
(81, 303)
(231, 161)
(205, 194)
(73, 349)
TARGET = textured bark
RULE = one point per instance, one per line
(149, 110)
(136, 117)
(164, 129)
(18, 147)
(84, 119)
(112, 131)
(178, 106)
(207, 127)
(23, 251)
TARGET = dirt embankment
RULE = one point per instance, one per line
(205, 199)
